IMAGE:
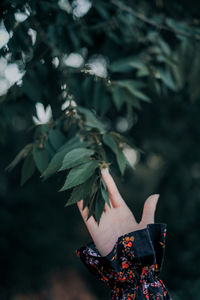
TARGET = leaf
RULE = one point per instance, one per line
(117, 95)
(131, 87)
(23, 153)
(132, 100)
(105, 104)
(81, 191)
(143, 72)
(164, 46)
(109, 141)
(91, 206)
(91, 120)
(104, 192)
(41, 157)
(121, 160)
(75, 157)
(49, 148)
(123, 139)
(57, 139)
(166, 78)
(56, 162)
(79, 174)
(102, 9)
(127, 64)
(99, 207)
(178, 76)
(44, 128)
(28, 169)
(93, 190)
(140, 95)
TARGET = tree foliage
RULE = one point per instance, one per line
(94, 68)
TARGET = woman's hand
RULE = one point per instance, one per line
(116, 220)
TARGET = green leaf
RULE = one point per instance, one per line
(143, 72)
(102, 9)
(57, 139)
(91, 206)
(167, 79)
(82, 191)
(140, 95)
(104, 192)
(179, 78)
(131, 86)
(44, 128)
(121, 160)
(105, 104)
(49, 148)
(72, 143)
(56, 162)
(109, 141)
(99, 207)
(75, 157)
(117, 94)
(22, 154)
(164, 46)
(28, 168)
(123, 139)
(41, 157)
(132, 100)
(93, 190)
(91, 119)
(80, 174)
(127, 64)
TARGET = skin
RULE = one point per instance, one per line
(116, 220)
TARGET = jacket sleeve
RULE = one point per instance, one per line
(131, 269)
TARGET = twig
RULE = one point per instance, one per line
(144, 19)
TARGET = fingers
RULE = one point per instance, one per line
(115, 196)
(149, 209)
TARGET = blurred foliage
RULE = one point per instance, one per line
(136, 63)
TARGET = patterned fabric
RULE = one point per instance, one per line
(131, 269)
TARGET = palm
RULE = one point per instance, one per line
(116, 220)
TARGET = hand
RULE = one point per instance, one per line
(116, 220)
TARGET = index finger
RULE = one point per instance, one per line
(115, 197)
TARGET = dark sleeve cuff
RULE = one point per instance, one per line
(136, 257)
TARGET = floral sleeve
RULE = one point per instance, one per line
(131, 269)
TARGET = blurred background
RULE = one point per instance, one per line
(49, 48)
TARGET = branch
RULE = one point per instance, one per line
(144, 19)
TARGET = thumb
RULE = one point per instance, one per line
(149, 209)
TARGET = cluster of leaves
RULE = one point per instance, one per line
(80, 156)
(141, 67)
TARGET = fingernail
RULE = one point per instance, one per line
(105, 170)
